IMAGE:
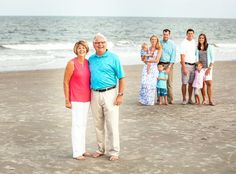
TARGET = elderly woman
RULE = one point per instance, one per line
(148, 84)
(77, 97)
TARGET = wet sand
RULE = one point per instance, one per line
(174, 139)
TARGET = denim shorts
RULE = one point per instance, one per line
(161, 92)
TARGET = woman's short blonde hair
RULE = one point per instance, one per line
(158, 45)
(83, 43)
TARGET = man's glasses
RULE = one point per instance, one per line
(97, 43)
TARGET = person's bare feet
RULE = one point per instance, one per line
(96, 155)
(190, 102)
(80, 158)
(212, 103)
(114, 158)
(87, 154)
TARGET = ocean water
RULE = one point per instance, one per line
(30, 43)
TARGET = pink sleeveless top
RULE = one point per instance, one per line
(80, 82)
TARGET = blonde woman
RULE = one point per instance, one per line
(77, 97)
(149, 80)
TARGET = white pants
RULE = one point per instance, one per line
(79, 124)
(106, 116)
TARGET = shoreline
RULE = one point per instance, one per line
(58, 69)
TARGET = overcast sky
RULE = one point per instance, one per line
(153, 8)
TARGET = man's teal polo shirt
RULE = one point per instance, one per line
(105, 70)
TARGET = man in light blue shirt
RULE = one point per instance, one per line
(106, 70)
(168, 59)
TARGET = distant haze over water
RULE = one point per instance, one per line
(29, 43)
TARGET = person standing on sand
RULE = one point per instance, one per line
(198, 81)
(162, 84)
(148, 83)
(168, 58)
(106, 69)
(188, 59)
(205, 54)
(77, 97)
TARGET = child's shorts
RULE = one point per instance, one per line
(161, 92)
(196, 91)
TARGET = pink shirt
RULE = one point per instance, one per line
(80, 82)
(199, 78)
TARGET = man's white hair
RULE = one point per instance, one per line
(99, 35)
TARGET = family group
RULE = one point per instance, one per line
(196, 69)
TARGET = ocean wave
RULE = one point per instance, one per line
(47, 46)
(225, 45)
(2, 47)
(124, 43)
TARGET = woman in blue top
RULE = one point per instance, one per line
(205, 54)
(148, 83)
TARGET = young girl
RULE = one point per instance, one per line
(198, 81)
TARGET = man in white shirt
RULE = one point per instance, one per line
(188, 59)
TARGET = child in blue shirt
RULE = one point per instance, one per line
(162, 84)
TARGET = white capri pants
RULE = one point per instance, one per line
(79, 125)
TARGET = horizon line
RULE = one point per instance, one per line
(116, 16)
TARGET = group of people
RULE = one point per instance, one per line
(94, 82)
(99, 82)
(196, 68)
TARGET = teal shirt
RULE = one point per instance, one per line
(210, 55)
(162, 83)
(105, 70)
(168, 52)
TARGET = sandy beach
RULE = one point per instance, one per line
(175, 139)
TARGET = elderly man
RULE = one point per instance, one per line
(106, 70)
(168, 59)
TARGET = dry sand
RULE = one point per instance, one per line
(174, 139)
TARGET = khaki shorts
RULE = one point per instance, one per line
(190, 76)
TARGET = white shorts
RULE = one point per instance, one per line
(209, 76)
